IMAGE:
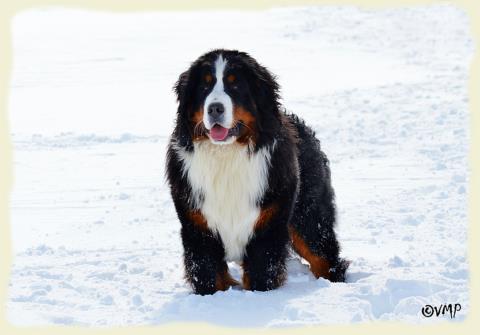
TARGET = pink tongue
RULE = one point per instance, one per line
(218, 133)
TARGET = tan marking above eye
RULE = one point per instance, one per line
(208, 78)
(231, 78)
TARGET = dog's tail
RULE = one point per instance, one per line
(338, 271)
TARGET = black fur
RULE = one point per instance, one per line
(314, 213)
(299, 184)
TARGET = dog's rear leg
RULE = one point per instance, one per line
(319, 266)
(329, 266)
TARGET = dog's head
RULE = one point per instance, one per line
(225, 97)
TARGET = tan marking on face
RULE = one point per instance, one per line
(247, 120)
(197, 116)
(231, 78)
(198, 130)
(265, 216)
(318, 265)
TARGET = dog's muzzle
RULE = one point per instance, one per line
(216, 112)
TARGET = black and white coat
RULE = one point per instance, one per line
(247, 179)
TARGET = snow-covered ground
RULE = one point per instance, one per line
(95, 235)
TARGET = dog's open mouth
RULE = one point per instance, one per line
(219, 133)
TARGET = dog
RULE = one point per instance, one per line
(247, 179)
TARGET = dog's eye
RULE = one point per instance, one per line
(208, 78)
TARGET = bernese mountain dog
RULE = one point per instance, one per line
(247, 179)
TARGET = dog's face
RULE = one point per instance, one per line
(226, 97)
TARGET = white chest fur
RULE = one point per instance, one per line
(227, 183)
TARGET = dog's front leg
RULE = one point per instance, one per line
(264, 261)
(205, 267)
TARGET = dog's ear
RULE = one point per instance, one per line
(180, 86)
(182, 89)
(267, 90)
(266, 96)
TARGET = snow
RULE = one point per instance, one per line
(95, 235)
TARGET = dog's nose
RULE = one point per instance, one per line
(216, 109)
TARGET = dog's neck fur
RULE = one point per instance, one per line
(228, 182)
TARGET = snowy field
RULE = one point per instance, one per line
(95, 235)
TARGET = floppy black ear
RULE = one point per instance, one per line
(181, 85)
(184, 95)
(267, 102)
(267, 91)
